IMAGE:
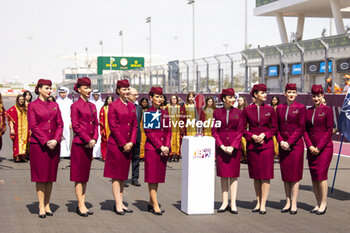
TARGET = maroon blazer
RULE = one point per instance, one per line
(84, 121)
(319, 134)
(292, 130)
(122, 123)
(44, 121)
(158, 137)
(268, 125)
(228, 134)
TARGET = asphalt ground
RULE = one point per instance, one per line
(19, 206)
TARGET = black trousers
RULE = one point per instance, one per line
(135, 162)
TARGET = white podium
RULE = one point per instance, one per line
(198, 175)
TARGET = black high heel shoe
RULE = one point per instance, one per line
(255, 210)
(42, 215)
(313, 211)
(321, 212)
(293, 212)
(262, 212)
(285, 210)
(90, 212)
(233, 211)
(151, 209)
(117, 212)
(80, 213)
(49, 214)
(128, 211)
(223, 210)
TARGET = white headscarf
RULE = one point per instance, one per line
(64, 104)
(99, 103)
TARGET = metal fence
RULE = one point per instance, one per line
(240, 70)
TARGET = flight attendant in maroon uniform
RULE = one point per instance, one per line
(228, 144)
(262, 122)
(318, 140)
(157, 150)
(46, 126)
(291, 122)
(123, 125)
(85, 128)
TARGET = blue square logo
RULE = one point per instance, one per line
(151, 120)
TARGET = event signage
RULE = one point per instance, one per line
(273, 71)
(119, 63)
(312, 67)
(296, 69)
(322, 67)
(343, 65)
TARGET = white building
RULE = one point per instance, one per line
(336, 9)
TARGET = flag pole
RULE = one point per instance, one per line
(336, 167)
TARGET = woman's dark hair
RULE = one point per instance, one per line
(177, 99)
(26, 93)
(213, 106)
(278, 100)
(165, 102)
(188, 96)
(21, 108)
(106, 100)
(144, 99)
(52, 99)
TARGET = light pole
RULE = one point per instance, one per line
(101, 43)
(121, 41)
(246, 26)
(149, 21)
(191, 2)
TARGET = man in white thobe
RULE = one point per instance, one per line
(95, 98)
(64, 103)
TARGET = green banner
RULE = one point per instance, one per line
(263, 2)
(119, 63)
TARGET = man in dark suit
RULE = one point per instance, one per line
(136, 149)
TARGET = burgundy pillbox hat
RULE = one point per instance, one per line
(227, 91)
(258, 87)
(42, 82)
(156, 90)
(82, 82)
(291, 86)
(123, 83)
(316, 89)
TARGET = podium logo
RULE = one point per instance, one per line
(151, 120)
(202, 153)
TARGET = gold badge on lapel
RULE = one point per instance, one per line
(296, 111)
(235, 117)
(321, 114)
(54, 109)
(268, 114)
(133, 111)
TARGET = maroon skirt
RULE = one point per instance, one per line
(260, 163)
(117, 163)
(228, 165)
(292, 163)
(319, 164)
(43, 162)
(80, 163)
(155, 167)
